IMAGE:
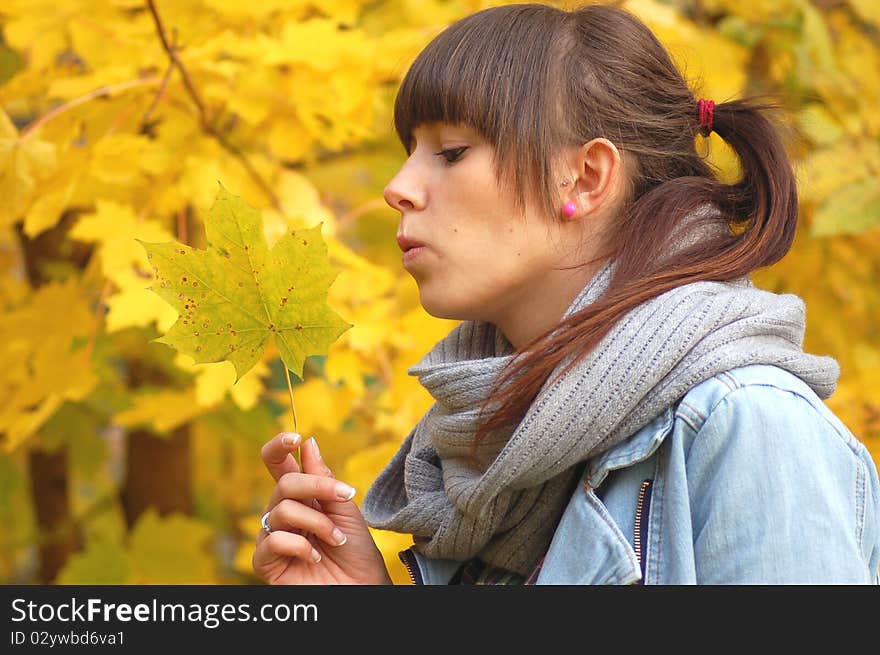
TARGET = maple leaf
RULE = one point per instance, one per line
(237, 293)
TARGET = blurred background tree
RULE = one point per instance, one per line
(122, 462)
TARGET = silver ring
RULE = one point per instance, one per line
(265, 523)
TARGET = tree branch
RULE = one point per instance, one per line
(172, 53)
(347, 219)
(206, 124)
(100, 92)
(159, 94)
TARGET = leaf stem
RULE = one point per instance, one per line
(290, 389)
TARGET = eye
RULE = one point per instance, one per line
(452, 155)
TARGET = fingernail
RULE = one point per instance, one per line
(290, 440)
(338, 537)
(316, 556)
(317, 450)
(344, 491)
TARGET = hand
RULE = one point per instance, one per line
(306, 509)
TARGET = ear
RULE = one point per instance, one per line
(599, 175)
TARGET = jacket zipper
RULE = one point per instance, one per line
(640, 533)
(412, 567)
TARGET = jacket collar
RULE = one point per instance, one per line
(637, 448)
(605, 556)
(588, 547)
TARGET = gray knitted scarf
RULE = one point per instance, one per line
(506, 509)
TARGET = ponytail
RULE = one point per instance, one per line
(759, 210)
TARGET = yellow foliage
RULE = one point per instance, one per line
(845, 161)
(360, 471)
(214, 380)
(858, 59)
(819, 125)
(138, 307)
(101, 562)
(171, 550)
(41, 364)
(345, 365)
(721, 76)
(47, 208)
(321, 407)
(290, 107)
(24, 162)
(115, 228)
(162, 411)
(300, 207)
(867, 10)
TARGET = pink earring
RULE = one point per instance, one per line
(569, 209)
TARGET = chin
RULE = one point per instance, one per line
(444, 308)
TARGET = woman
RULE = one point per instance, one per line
(620, 404)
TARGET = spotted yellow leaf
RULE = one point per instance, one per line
(237, 294)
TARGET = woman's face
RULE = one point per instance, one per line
(480, 258)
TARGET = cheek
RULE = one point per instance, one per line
(490, 273)
(489, 256)
(466, 286)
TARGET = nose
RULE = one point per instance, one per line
(403, 192)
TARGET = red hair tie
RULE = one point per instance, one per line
(707, 115)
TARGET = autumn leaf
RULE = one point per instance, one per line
(852, 210)
(162, 410)
(102, 562)
(34, 345)
(170, 549)
(23, 163)
(236, 294)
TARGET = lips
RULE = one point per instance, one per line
(406, 243)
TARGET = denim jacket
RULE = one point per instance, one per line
(748, 479)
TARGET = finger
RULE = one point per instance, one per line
(262, 534)
(276, 454)
(312, 462)
(307, 486)
(291, 515)
(283, 544)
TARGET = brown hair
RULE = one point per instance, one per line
(533, 79)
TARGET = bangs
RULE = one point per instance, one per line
(492, 71)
